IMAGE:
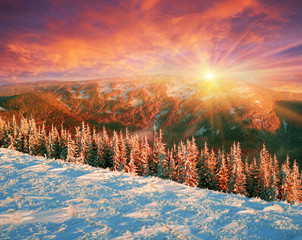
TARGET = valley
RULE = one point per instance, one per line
(219, 112)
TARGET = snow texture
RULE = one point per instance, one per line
(105, 87)
(232, 110)
(137, 102)
(83, 96)
(201, 131)
(114, 97)
(180, 90)
(45, 199)
(79, 85)
(213, 95)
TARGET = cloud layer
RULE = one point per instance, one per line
(250, 39)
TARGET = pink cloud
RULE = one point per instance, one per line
(141, 37)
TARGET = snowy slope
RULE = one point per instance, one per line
(42, 198)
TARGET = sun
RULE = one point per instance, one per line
(209, 76)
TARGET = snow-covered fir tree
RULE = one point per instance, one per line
(122, 152)
(207, 169)
(265, 174)
(285, 180)
(159, 163)
(295, 194)
(43, 139)
(191, 174)
(106, 156)
(92, 155)
(144, 158)
(181, 160)
(253, 180)
(116, 152)
(237, 181)
(222, 175)
(71, 149)
(131, 167)
(33, 137)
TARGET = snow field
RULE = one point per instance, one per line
(42, 198)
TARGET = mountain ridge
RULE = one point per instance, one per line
(219, 112)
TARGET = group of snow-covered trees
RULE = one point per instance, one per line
(184, 163)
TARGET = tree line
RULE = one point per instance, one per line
(184, 163)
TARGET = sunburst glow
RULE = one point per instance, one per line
(209, 76)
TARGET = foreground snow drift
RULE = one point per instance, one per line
(42, 198)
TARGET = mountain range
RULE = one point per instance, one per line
(219, 112)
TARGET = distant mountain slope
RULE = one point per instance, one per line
(42, 198)
(41, 106)
(219, 112)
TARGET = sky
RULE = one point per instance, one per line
(259, 41)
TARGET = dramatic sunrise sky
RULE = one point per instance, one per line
(259, 41)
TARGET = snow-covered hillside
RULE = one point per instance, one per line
(42, 198)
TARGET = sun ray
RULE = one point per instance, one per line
(236, 44)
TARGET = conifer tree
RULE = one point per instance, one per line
(253, 180)
(14, 126)
(273, 189)
(181, 160)
(12, 143)
(168, 167)
(274, 180)
(63, 144)
(144, 158)
(275, 165)
(57, 149)
(11, 133)
(237, 182)
(222, 175)
(3, 133)
(2, 124)
(265, 174)
(202, 167)
(22, 139)
(285, 180)
(106, 156)
(71, 149)
(246, 167)
(211, 163)
(85, 141)
(131, 167)
(92, 155)
(42, 149)
(159, 156)
(53, 144)
(173, 167)
(191, 174)
(116, 152)
(78, 144)
(122, 152)
(207, 169)
(295, 194)
(33, 138)
(135, 149)
(56, 146)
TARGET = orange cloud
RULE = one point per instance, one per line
(138, 37)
